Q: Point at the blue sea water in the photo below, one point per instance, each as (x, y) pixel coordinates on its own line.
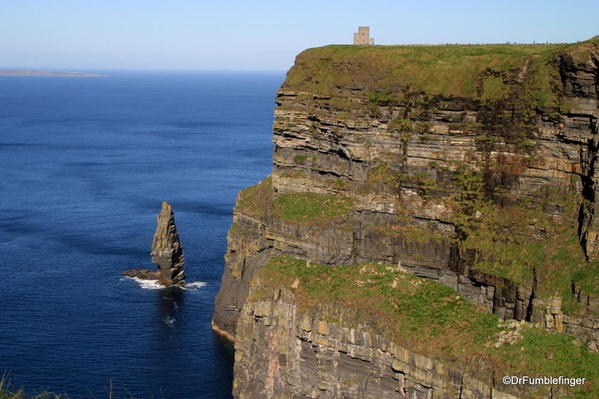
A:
(85, 164)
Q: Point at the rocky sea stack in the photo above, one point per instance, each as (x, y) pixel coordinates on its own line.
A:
(167, 252)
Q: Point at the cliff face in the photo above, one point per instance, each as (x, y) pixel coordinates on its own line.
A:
(368, 331)
(473, 166)
(282, 351)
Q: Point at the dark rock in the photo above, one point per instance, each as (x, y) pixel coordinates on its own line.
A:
(143, 274)
(167, 252)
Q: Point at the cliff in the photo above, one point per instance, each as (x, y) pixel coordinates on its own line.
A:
(471, 166)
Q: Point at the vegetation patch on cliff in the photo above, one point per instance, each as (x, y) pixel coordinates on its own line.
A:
(403, 304)
(256, 200)
(526, 242)
(427, 317)
(311, 207)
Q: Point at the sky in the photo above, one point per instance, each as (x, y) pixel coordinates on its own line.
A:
(261, 35)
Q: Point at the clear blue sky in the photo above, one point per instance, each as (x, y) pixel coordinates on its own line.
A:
(261, 35)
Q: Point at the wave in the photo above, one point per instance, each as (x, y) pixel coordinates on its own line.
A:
(147, 284)
(155, 285)
(195, 285)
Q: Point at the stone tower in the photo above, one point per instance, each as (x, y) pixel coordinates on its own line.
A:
(362, 37)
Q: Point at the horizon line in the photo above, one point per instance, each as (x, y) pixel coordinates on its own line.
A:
(94, 69)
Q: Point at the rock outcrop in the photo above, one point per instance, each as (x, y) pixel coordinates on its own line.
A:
(469, 165)
(167, 252)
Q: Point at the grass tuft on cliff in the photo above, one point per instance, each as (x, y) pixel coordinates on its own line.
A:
(5, 394)
(8, 392)
(256, 200)
(427, 317)
(311, 207)
(303, 208)
(19, 394)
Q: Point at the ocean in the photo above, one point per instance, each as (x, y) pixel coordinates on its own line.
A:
(85, 166)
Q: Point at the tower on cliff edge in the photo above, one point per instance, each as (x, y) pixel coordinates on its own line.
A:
(362, 37)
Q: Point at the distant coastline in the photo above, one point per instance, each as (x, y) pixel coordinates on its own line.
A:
(28, 72)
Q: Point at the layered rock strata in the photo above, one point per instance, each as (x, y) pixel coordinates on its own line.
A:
(167, 252)
(284, 353)
(279, 350)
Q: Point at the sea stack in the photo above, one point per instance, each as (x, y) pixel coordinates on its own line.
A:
(167, 252)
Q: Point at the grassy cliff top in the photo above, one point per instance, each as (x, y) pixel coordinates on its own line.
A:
(446, 70)
(427, 317)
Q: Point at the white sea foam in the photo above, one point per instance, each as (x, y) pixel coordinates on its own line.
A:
(155, 285)
(147, 284)
(169, 321)
(195, 285)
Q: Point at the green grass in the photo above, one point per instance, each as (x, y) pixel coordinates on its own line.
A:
(21, 395)
(293, 174)
(427, 318)
(402, 125)
(412, 310)
(300, 159)
(256, 200)
(305, 208)
(339, 183)
(436, 70)
(7, 391)
(494, 88)
(382, 173)
(391, 73)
